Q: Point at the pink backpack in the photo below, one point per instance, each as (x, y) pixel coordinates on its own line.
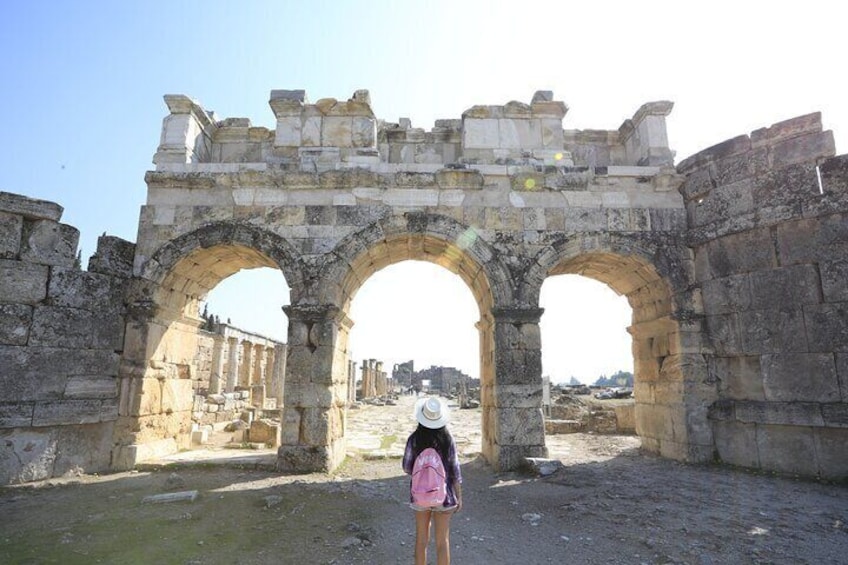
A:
(429, 483)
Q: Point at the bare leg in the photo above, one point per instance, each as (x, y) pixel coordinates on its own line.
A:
(422, 536)
(441, 520)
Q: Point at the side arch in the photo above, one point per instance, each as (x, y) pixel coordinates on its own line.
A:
(162, 329)
(673, 389)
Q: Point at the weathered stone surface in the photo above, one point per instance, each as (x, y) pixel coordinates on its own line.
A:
(22, 283)
(30, 208)
(15, 320)
(827, 326)
(91, 387)
(70, 412)
(79, 289)
(772, 330)
(49, 243)
(60, 326)
(787, 449)
(114, 256)
(800, 376)
(16, 415)
(11, 226)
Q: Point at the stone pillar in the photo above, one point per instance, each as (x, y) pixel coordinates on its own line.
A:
(314, 402)
(379, 380)
(278, 381)
(232, 363)
(246, 364)
(258, 373)
(351, 381)
(216, 375)
(365, 379)
(512, 408)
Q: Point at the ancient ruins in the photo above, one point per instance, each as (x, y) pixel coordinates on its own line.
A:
(734, 261)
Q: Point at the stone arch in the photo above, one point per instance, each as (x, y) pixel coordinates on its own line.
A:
(672, 387)
(163, 324)
(410, 236)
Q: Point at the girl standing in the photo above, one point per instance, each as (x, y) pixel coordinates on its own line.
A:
(432, 416)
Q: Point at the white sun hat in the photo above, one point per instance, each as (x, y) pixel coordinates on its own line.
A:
(432, 413)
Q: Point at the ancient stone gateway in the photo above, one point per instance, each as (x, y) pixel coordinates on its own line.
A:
(735, 265)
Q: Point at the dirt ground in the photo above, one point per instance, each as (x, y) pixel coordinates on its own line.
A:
(609, 504)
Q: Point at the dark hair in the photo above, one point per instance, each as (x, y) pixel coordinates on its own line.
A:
(439, 438)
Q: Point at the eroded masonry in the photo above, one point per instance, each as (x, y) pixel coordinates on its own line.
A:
(734, 261)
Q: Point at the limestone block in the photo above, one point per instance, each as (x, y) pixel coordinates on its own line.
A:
(724, 334)
(15, 320)
(772, 331)
(520, 426)
(177, 395)
(787, 449)
(738, 377)
(315, 426)
(787, 286)
(66, 412)
(288, 132)
(304, 458)
(363, 132)
(16, 415)
(807, 240)
(114, 256)
(513, 457)
(40, 373)
(736, 443)
(800, 377)
(827, 326)
(264, 431)
(337, 131)
(586, 219)
(834, 279)
(518, 396)
(519, 134)
(459, 178)
(11, 228)
(728, 294)
(831, 454)
(310, 133)
(49, 243)
(28, 455)
(141, 397)
(91, 387)
(75, 328)
(86, 290)
(480, 133)
(22, 283)
(724, 202)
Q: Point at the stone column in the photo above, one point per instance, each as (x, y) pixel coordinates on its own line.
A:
(351, 382)
(314, 402)
(258, 373)
(232, 364)
(379, 380)
(365, 379)
(278, 381)
(246, 363)
(216, 375)
(512, 409)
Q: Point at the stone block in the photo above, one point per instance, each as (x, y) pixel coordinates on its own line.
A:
(29, 208)
(723, 203)
(785, 287)
(724, 334)
(739, 378)
(22, 283)
(307, 458)
(741, 253)
(727, 294)
(11, 227)
(84, 290)
(15, 320)
(85, 448)
(827, 326)
(520, 426)
(49, 243)
(28, 455)
(66, 412)
(831, 454)
(177, 395)
(787, 449)
(809, 377)
(783, 413)
(91, 387)
(58, 326)
(264, 431)
(16, 415)
(40, 373)
(772, 331)
(736, 443)
(513, 457)
(518, 396)
(803, 149)
(835, 415)
(834, 279)
(288, 132)
(337, 131)
(114, 256)
(809, 240)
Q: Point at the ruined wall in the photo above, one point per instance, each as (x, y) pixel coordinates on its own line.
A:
(771, 250)
(61, 336)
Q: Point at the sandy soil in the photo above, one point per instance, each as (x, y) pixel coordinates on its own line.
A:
(609, 504)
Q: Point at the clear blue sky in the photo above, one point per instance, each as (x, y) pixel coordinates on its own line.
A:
(83, 81)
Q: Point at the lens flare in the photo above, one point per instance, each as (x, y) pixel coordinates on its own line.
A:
(558, 156)
(530, 184)
(467, 238)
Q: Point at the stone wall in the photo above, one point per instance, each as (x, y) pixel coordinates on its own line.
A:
(61, 336)
(768, 217)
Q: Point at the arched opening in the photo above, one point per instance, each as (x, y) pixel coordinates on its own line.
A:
(163, 391)
(671, 390)
(415, 333)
